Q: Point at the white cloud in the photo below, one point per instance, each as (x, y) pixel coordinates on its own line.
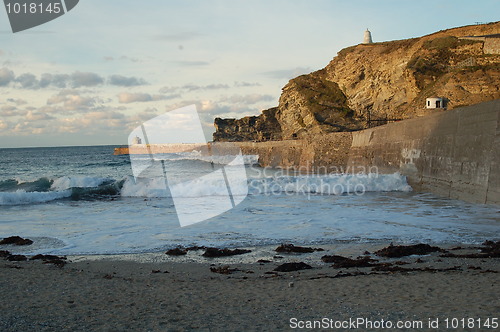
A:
(71, 100)
(143, 116)
(38, 116)
(10, 111)
(127, 97)
(3, 125)
(17, 101)
(93, 123)
(245, 84)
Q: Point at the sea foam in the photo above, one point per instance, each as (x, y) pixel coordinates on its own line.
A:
(67, 182)
(21, 197)
(305, 184)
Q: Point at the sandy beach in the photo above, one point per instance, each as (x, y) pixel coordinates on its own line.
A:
(123, 293)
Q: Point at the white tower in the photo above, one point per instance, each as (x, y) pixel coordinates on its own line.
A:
(368, 37)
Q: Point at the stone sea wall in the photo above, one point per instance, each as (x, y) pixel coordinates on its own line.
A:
(450, 153)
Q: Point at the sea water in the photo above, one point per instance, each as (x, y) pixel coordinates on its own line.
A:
(84, 200)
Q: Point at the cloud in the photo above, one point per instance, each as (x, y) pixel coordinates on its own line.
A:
(247, 99)
(27, 81)
(3, 125)
(71, 100)
(17, 101)
(75, 80)
(32, 127)
(120, 80)
(10, 110)
(143, 116)
(109, 120)
(211, 108)
(123, 57)
(2, 53)
(80, 79)
(6, 76)
(287, 73)
(94, 122)
(127, 97)
(32, 116)
(56, 80)
(193, 87)
(30, 81)
(245, 84)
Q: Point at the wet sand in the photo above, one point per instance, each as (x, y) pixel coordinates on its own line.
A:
(114, 294)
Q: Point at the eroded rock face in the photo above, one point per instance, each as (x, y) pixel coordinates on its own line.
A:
(311, 105)
(380, 81)
(260, 128)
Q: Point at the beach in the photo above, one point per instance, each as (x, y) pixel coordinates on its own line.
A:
(131, 293)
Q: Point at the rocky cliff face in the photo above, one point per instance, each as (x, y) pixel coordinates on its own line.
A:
(311, 105)
(260, 128)
(381, 81)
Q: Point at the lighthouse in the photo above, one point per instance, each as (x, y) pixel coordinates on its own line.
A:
(368, 37)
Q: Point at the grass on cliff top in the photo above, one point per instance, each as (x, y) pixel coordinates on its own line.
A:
(315, 88)
(448, 42)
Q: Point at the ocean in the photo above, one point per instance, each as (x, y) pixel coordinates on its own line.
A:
(85, 200)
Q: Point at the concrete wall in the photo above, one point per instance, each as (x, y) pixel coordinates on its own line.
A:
(452, 153)
(492, 46)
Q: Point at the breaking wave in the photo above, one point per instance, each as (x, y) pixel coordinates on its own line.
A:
(14, 192)
(18, 192)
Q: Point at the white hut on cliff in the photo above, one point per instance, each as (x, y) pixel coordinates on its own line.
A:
(435, 102)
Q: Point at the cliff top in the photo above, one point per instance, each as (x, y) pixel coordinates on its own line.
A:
(370, 84)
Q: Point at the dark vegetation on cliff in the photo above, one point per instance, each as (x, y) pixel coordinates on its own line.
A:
(367, 85)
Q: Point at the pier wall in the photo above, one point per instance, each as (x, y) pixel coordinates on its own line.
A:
(450, 153)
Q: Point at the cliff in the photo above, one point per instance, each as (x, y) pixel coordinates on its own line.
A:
(371, 84)
(264, 127)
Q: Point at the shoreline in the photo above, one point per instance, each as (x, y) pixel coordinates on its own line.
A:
(111, 294)
(267, 251)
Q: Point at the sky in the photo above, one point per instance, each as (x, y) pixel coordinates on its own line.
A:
(93, 75)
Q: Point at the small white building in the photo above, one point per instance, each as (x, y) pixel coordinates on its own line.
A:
(435, 102)
(367, 37)
(136, 140)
